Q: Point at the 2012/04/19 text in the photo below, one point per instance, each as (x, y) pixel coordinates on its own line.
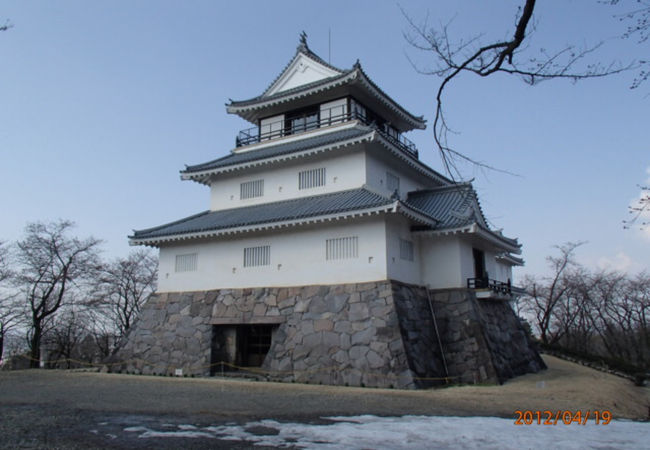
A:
(562, 417)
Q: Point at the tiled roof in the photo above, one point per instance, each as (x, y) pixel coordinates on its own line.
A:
(307, 86)
(304, 49)
(452, 206)
(280, 149)
(267, 213)
(355, 75)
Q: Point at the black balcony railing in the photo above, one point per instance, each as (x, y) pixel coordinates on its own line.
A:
(496, 286)
(326, 118)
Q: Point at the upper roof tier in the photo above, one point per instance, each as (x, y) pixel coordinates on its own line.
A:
(308, 80)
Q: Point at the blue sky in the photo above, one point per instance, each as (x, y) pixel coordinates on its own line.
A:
(102, 103)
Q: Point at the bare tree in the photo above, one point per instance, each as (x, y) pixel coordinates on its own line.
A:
(68, 331)
(52, 263)
(547, 295)
(600, 314)
(639, 211)
(126, 283)
(638, 26)
(513, 56)
(10, 312)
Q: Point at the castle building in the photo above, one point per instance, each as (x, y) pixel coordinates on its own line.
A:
(330, 253)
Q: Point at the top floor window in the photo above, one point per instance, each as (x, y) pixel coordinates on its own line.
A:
(301, 120)
(316, 116)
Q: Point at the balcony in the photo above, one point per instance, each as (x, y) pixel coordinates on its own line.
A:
(327, 117)
(487, 288)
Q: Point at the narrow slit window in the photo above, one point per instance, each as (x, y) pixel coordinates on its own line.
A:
(251, 189)
(342, 248)
(308, 179)
(257, 256)
(186, 263)
(406, 250)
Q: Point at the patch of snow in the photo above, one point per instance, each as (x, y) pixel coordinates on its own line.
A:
(358, 432)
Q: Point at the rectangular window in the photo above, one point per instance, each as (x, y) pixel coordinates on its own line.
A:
(301, 120)
(186, 263)
(311, 178)
(358, 110)
(406, 250)
(333, 112)
(251, 189)
(257, 256)
(271, 127)
(342, 248)
(392, 182)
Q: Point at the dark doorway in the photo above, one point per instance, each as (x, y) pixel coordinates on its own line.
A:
(253, 343)
(235, 346)
(479, 263)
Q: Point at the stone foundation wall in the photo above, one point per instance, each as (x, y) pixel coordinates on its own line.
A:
(483, 340)
(370, 334)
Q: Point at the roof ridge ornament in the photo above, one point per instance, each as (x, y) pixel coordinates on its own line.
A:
(302, 46)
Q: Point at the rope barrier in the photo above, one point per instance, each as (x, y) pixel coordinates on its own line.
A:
(254, 370)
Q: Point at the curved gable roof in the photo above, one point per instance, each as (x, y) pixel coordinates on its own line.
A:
(325, 78)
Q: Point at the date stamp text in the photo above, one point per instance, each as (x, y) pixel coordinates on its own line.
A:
(562, 417)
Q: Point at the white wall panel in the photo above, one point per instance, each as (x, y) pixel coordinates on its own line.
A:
(345, 170)
(297, 257)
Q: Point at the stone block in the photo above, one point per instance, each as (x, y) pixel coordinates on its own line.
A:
(312, 340)
(358, 311)
(379, 347)
(374, 360)
(358, 352)
(323, 325)
(345, 341)
(259, 310)
(330, 339)
(355, 297)
(342, 326)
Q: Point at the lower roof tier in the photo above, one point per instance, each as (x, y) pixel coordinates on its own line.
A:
(442, 210)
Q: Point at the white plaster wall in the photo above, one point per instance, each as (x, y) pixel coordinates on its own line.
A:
(398, 227)
(467, 261)
(297, 258)
(302, 71)
(440, 258)
(499, 271)
(344, 170)
(376, 175)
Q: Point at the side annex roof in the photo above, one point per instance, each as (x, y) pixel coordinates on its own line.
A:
(457, 209)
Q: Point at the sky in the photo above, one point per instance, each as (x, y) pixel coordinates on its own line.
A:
(102, 103)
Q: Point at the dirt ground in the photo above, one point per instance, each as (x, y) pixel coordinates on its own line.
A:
(64, 409)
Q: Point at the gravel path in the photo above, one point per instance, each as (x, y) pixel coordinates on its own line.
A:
(64, 409)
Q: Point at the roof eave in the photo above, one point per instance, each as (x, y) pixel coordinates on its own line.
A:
(246, 108)
(509, 245)
(157, 240)
(203, 176)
